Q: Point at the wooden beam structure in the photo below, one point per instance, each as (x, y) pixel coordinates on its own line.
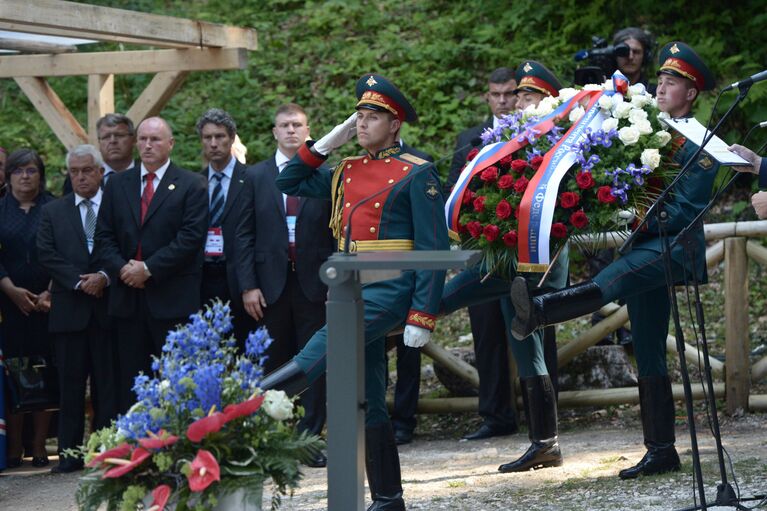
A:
(71, 19)
(156, 95)
(54, 111)
(738, 374)
(35, 46)
(101, 101)
(123, 62)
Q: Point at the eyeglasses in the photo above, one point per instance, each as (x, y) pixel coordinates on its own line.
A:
(28, 171)
(114, 136)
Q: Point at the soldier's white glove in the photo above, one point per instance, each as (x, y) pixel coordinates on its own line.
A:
(338, 136)
(415, 336)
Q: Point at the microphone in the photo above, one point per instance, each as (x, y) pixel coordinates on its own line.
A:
(762, 124)
(748, 82)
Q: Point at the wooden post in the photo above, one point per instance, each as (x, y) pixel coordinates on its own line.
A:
(454, 364)
(737, 345)
(759, 369)
(101, 101)
(52, 109)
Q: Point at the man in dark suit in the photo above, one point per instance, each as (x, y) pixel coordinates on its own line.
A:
(281, 243)
(487, 326)
(226, 178)
(151, 229)
(78, 315)
(117, 140)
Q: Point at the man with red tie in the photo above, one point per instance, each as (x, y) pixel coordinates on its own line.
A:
(151, 232)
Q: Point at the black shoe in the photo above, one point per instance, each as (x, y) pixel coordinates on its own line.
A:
(655, 461)
(489, 431)
(66, 466)
(319, 460)
(40, 461)
(538, 455)
(403, 436)
(13, 462)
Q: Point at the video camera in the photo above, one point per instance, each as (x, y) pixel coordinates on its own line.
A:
(601, 61)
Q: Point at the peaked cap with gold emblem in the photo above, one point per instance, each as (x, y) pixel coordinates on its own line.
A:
(375, 92)
(679, 59)
(533, 76)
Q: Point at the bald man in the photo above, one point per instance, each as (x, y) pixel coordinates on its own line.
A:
(151, 233)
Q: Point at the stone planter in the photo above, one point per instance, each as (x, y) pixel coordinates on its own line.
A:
(237, 500)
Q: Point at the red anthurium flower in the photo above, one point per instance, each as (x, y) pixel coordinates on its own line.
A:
(158, 441)
(120, 451)
(472, 154)
(160, 496)
(510, 238)
(536, 161)
(489, 174)
(579, 220)
(605, 195)
(521, 185)
(506, 181)
(584, 180)
(503, 210)
(248, 407)
(519, 166)
(474, 228)
(558, 230)
(479, 204)
(124, 466)
(568, 199)
(200, 428)
(204, 470)
(491, 232)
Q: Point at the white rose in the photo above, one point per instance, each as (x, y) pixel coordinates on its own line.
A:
(640, 100)
(636, 90)
(567, 93)
(636, 115)
(610, 123)
(662, 117)
(663, 137)
(576, 114)
(644, 127)
(606, 102)
(622, 110)
(628, 135)
(592, 86)
(278, 405)
(546, 106)
(651, 158)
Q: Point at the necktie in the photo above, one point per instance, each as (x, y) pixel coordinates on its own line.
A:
(217, 201)
(90, 223)
(148, 193)
(291, 209)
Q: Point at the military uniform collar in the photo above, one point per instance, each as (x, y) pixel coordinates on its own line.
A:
(388, 152)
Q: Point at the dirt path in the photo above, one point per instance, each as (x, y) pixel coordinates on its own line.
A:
(453, 475)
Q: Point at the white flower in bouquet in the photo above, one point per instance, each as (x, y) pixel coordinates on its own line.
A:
(576, 114)
(607, 85)
(636, 115)
(641, 100)
(611, 123)
(546, 106)
(662, 138)
(644, 127)
(628, 135)
(651, 158)
(662, 117)
(637, 89)
(592, 86)
(567, 93)
(606, 102)
(622, 110)
(278, 405)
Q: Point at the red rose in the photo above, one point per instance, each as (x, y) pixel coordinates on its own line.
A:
(605, 195)
(203, 471)
(569, 199)
(584, 180)
(479, 204)
(558, 230)
(519, 166)
(536, 161)
(516, 213)
(503, 210)
(468, 197)
(506, 182)
(510, 238)
(474, 228)
(491, 232)
(521, 185)
(472, 154)
(506, 160)
(579, 220)
(489, 174)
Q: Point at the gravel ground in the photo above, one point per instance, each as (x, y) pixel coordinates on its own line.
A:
(453, 475)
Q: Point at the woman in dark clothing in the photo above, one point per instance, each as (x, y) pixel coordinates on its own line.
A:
(25, 299)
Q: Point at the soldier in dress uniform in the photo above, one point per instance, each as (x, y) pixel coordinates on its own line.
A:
(638, 277)
(407, 216)
(470, 287)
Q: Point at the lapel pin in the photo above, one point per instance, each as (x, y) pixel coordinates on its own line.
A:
(171, 187)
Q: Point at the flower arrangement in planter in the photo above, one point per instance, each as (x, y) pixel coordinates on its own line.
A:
(201, 429)
(606, 153)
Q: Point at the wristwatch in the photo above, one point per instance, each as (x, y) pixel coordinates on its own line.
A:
(146, 270)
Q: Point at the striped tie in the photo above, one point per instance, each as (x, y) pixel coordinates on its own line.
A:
(90, 223)
(217, 201)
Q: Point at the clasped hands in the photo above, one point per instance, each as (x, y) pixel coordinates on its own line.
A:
(92, 284)
(133, 274)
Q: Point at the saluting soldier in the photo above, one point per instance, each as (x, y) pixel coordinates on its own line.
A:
(638, 277)
(470, 287)
(401, 208)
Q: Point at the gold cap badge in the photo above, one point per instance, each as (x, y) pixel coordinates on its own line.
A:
(674, 49)
(527, 67)
(371, 81)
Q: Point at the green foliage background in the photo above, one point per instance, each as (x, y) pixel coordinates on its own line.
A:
(438, 51)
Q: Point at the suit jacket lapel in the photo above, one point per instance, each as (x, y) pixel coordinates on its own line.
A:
(235, 186)
(276, 193)
(164, 188)
(132, 191)
(77, 221)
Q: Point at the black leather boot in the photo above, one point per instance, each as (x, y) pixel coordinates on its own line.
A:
(289, 377)
(382, 467)
(534, 312)
(544, 451)
(657, 408)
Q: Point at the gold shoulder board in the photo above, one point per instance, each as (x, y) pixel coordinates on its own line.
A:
(415, 160)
